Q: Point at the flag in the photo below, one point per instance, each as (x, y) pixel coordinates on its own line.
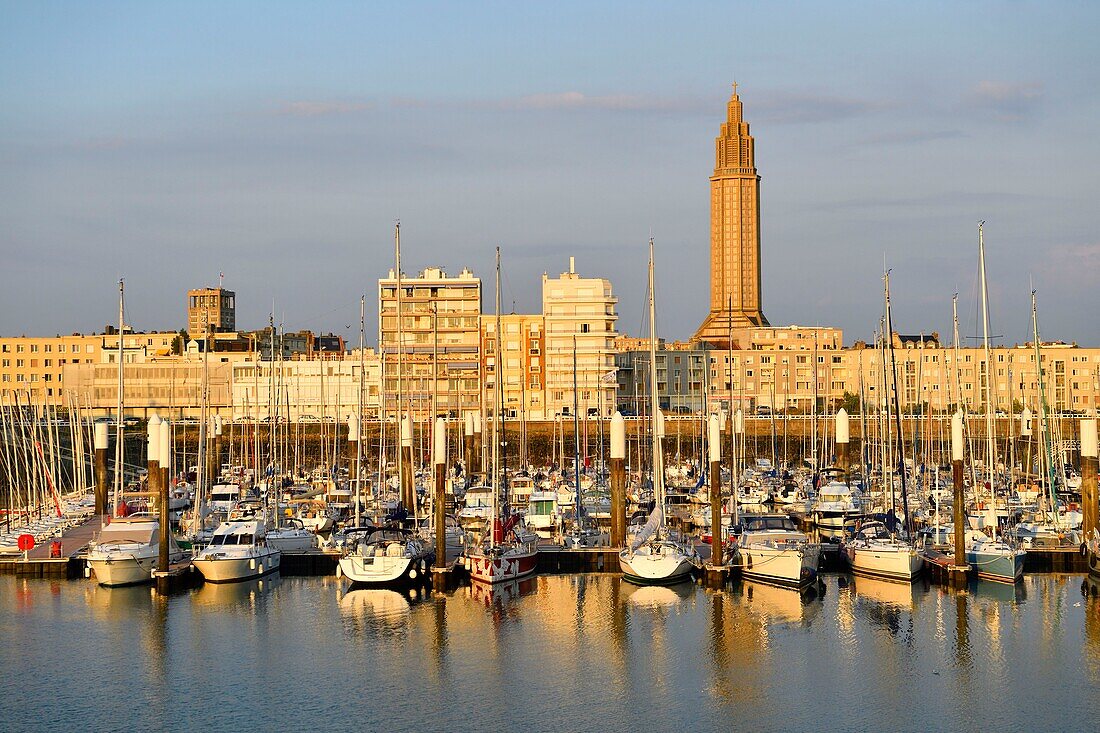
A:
(609, 378)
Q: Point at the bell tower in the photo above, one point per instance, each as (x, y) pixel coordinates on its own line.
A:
(735, 298)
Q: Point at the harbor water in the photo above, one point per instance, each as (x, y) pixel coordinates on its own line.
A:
(554, 653)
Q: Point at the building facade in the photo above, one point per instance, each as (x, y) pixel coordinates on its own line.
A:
(214, 306)
(36, 365)
(437, 347)
(519, 365)
(580, 320)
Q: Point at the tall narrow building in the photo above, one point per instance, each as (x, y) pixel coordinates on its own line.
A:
(735, 300)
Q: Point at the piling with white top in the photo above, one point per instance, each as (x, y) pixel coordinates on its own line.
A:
(957, 572)
(468, 446)
(714, 449)
(618, 480)
(152, 434)
(101, 441)
(162, 434)
(407, 462)
(842, 437)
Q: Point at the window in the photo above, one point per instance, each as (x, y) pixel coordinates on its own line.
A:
(584, 328)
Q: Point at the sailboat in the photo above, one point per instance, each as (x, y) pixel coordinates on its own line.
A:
(655, 555)
(877, 550)
(509, 550)
(992, 557)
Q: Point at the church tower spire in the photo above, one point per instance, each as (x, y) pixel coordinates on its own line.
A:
(735, 298)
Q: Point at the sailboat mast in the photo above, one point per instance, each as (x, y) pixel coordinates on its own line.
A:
(990, 448)
(897, 414)
(400, 348)
(119, 429)
(576, 440)
(495, 482)
(358, 482)
(1044, 429)
(654, 401)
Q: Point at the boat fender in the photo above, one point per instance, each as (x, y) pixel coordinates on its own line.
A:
(412, 574)
(1084, 549)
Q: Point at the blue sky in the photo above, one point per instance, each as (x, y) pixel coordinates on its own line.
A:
(278, 142)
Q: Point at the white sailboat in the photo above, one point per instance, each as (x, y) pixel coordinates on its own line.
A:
(656, 555)
(509, 550)
(876, 550)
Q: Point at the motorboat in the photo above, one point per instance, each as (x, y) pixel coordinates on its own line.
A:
(836, 505)
(542, 513)
(385, 557)
(291, 536)
(126, 551)
(770, 549)
(238, 550)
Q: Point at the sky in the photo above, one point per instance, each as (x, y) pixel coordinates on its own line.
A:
(278, 143)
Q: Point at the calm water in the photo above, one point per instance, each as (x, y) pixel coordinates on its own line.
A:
(560, 653)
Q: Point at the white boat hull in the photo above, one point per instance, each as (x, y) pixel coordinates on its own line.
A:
(123, 570)
(219, 567)
(904, 564)
(384, 571)
(662, 567)
(789, 567)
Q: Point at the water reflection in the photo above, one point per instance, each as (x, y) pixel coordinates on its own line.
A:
(375, 612)
(777, 605)
(243, 596)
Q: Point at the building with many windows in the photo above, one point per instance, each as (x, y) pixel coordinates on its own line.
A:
(437, 346)
(214, 306)
(580, 320)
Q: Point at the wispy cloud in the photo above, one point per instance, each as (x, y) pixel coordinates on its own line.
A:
(569, 100)
(792, 107)
(321, 108)
(1072, 264)
(1005, 100)
(914, 137)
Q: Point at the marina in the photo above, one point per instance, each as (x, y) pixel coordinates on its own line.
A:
(409, 368)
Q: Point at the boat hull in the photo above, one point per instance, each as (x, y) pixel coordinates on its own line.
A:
(502, 568)
(386, 572)
(221, 568)
(642, 568)
(998, 567)
(121, 571)
(903, 565)
(789, 568)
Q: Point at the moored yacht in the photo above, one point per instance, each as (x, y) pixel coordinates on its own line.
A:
(836, 504)
(237, 551)
(510, 555)
(877, 553)
(772, 550)
(386, 557)
(126, 551)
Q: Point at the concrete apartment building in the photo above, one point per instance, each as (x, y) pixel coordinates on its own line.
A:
(520, 365)
(574, 307)
(440, 342)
